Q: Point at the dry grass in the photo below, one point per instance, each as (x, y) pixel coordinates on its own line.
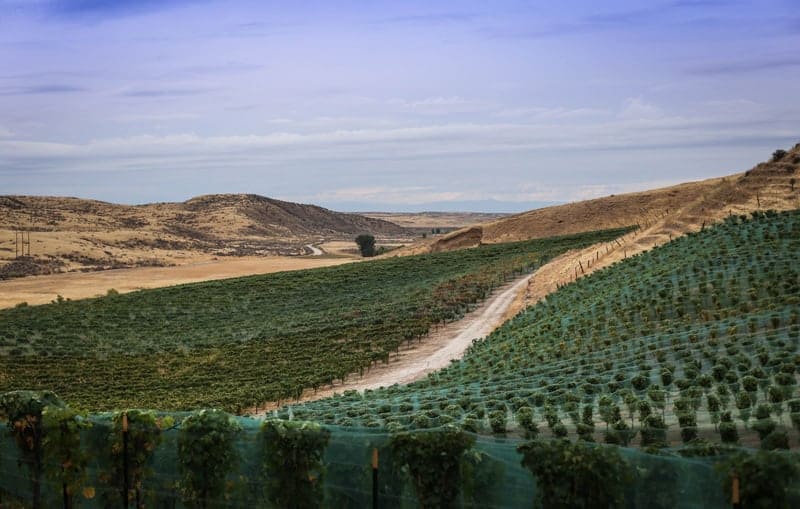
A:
(435, 219)
(69, 234)
(662, 213)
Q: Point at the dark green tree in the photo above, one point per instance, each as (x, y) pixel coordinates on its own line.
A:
(293, 462)
(23, 412)
(206, 455)
(366, 244)
(576, 475)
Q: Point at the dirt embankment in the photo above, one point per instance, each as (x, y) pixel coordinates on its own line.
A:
(461, 239)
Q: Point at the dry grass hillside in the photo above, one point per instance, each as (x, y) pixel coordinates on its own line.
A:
(427, 220)
(69, 234)
(662, 213)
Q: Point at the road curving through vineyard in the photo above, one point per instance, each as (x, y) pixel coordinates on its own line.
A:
(435, 351)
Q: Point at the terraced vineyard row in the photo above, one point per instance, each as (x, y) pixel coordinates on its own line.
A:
(232, 344)
(696, 338)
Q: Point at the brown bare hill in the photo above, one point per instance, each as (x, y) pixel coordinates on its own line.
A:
(283, 219)
(664, 213)
(76, 234)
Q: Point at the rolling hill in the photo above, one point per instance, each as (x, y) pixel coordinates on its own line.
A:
(74, 234)
(665, 212)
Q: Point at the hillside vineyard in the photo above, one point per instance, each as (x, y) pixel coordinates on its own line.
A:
(235, 343)
(699, 336)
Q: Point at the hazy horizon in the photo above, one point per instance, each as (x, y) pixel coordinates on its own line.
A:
(390, 106)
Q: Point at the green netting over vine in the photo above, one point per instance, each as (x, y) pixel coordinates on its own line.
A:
(698, 338)
(212, 459)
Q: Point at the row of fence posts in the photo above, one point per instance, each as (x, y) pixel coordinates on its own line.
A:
(609, 247)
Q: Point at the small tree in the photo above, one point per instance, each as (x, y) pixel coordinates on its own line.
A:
(766, 478)
(366, 244)
(576, 475)
(778, 155)
(206, 454)
(433, 461)
(23, 411)
(293, 462)
(65, 460)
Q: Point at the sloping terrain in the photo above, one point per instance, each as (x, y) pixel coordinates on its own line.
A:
(69, 234)
(672, 210)
(697, 337)
(235, 343)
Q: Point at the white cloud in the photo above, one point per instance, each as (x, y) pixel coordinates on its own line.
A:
(550, 113)
(439, 105)
(635, 108)
(156, 117)
(397, 143)
(388, 195)
(588, 192)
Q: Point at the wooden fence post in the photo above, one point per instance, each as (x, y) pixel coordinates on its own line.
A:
(374, 478)
(125, 458)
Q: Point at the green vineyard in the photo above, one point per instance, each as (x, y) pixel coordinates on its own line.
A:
(236, 343)
(698, 338)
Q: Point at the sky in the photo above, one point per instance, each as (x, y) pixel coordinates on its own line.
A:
(395, 106)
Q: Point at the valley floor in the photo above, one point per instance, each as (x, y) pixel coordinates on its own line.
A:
(78, 285)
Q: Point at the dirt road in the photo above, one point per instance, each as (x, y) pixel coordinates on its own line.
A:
(451, 341)
(315, 251)
(434, 352)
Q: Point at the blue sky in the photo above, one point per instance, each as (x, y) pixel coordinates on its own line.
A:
(365, 105)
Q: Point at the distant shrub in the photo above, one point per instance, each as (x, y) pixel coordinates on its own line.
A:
(778, 155)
